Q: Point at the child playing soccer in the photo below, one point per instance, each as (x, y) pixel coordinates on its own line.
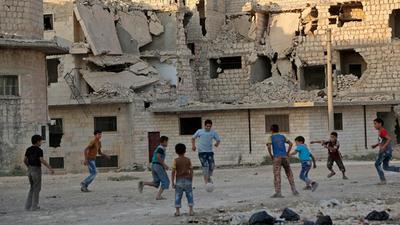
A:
(276, 143)
(34, 160)
(182, 173)
(333, 154)
(158, 170)
(305, 157)
(205, 149)
(385, 151)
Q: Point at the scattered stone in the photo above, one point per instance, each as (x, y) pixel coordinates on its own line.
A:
(261, 218)
(377, 216)
(345, 82)
(332, 203)
(290, 215)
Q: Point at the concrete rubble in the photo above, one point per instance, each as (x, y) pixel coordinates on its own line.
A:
(124, 79)
(91, 16)
(345, 82)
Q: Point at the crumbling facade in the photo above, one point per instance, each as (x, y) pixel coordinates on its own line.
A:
(163, 67)
(23, 89)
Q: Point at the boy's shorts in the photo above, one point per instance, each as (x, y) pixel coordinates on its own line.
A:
(160, 176)
(207, 163)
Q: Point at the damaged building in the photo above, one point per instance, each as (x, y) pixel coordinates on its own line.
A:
(23, 89)
(139, 70)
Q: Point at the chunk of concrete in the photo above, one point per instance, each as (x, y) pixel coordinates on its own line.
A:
(155, 26)
(167, 40)
(142, 68)
(99, 29)
(79, 48)
(125, 79)
(282, 32)
(106, 60)
(135, 24)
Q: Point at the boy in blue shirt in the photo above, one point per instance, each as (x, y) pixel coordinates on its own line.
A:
(276, 142)
(305, 158)
(158, 170)
(206, 154)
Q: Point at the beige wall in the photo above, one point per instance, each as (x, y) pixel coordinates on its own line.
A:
(22, 116)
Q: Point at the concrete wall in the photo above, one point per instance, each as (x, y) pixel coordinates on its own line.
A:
(63, 21)
(21, 18)
(78, 131)
(22, 116)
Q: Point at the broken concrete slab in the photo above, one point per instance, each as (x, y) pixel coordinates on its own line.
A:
(135, 24)
(99, 29)
(167, 40)
(282, 32)
(79, 48)
(155, 26)
(142, 68)
(105, 60)
(124, 79)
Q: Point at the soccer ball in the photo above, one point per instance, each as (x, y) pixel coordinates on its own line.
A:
(209, 187)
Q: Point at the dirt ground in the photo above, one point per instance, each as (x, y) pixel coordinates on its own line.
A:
(238, 193)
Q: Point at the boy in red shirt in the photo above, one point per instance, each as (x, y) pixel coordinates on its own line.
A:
(385, 151)
(333, 154)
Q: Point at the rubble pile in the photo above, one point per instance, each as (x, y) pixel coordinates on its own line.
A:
(109, 90)
(278, 90)
(345, 82)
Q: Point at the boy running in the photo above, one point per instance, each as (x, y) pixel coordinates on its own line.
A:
(158, 170)
(305, 158)
(34, 160)
(276, 143)
(91, 152)
(206, 154)
(385, 151)
(182, 172)
(334, 155)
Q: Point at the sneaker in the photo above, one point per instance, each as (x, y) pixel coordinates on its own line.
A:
(331, 174)
(383, 182)
(35, 208)
(295, 193)
(140, 186)
(314, 186)
(277, 195)
(345, 178)
(306, 188)
(84, 189)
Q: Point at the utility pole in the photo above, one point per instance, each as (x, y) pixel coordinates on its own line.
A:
(329, 77)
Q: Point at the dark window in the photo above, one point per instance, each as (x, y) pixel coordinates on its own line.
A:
(189, 126)
(9, 85)
(338, 121)
(52, 70)
(56, 162)
(355, 69)
(314, 77)
(218, 66)
(105, 123)
(346, 12)
(395, 23)
(103, 162)
(48, 21)
(281, 120)
(261, 69)
(43, 132)
(56, 133)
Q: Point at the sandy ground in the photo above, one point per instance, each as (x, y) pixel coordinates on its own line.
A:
(237, 192)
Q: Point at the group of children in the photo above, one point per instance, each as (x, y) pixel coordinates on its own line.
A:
(182, 170)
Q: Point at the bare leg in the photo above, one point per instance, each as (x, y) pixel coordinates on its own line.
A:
(159, 197)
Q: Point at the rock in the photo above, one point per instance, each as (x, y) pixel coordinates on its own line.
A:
(261, 218)
(332, 203)
(290, 215)
(378, 216)
(324, 220)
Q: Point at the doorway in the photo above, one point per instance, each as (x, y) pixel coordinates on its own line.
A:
(154, 141)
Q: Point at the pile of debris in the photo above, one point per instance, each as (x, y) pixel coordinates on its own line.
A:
(110, 90)
(345, 82)
(277, 90)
